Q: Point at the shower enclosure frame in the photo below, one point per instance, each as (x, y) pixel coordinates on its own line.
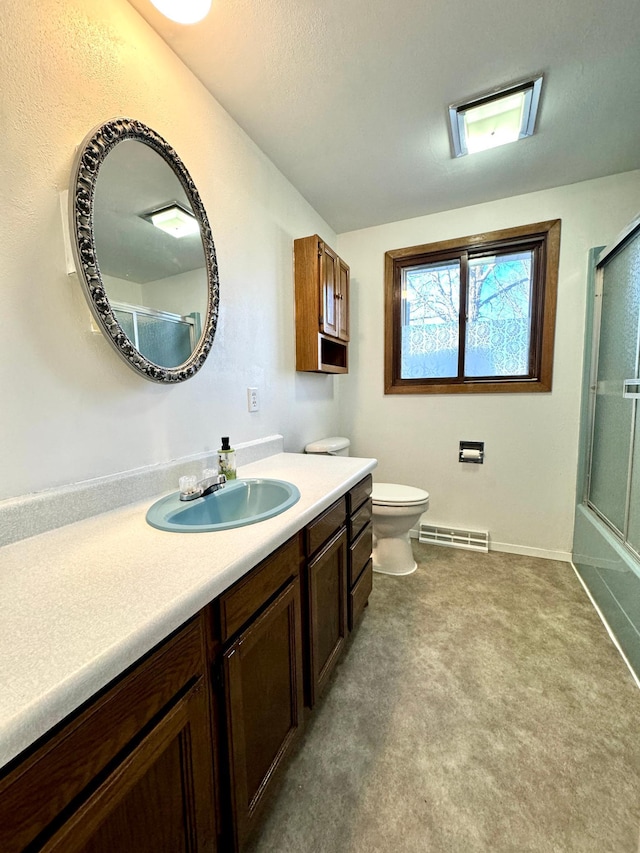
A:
(598, 260)
(606, 562)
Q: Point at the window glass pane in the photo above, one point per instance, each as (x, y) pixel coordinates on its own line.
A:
(429, 320)
(499, 298)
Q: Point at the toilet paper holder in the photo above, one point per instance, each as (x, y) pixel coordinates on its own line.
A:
(471, 451)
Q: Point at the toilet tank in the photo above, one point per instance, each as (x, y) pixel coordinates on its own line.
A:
(336, 445)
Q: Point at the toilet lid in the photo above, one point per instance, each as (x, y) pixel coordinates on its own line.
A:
(391, 494)
(328, 445)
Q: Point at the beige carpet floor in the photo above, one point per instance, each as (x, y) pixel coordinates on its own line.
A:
(481, 706)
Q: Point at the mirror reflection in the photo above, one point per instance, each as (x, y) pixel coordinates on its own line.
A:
(144, 251)
(150, 253)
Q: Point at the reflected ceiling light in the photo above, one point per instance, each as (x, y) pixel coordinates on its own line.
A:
(173, 219)
(183, 11)
(495, 118)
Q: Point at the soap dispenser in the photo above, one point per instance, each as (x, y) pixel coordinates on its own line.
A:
(227, 459)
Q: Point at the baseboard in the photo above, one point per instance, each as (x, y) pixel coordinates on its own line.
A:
(524, 550)
(607, 627)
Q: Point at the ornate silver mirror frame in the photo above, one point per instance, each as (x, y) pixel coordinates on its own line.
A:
(90, 157)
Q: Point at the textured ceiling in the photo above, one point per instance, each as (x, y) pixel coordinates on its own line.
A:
(349, 98)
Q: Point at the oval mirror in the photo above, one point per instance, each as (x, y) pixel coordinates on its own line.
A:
(144, 250)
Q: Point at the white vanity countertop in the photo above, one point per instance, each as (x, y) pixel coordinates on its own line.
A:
(80, 604)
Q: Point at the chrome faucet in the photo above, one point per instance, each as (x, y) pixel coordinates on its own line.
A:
(192, 488)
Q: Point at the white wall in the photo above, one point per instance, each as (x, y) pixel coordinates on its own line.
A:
(184, 293)
(524, 493)
(71, 409)
(123, 290)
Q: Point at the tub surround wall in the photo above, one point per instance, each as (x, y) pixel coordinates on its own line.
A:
(72, 411)
(612, 579)
(524, 493)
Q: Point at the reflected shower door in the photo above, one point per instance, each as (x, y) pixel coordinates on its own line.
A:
(612, 479)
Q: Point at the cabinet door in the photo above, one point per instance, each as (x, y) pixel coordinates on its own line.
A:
(158, 799)
(329, 284)
(343, 300)
(327, 612)
(263, 696)
(132, 770)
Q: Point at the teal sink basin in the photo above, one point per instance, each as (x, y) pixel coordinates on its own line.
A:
(239, 503)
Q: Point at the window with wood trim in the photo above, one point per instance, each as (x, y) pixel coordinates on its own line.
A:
(473, 315)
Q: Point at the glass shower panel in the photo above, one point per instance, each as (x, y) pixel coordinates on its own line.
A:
(617, 361)
(127, 322)
(631, 260)
(165, 342)
(633, 530)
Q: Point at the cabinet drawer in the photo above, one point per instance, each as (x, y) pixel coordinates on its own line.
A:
(359, 595)
(252, 592)
(359, 493)
(58, 773)
(361, 518)
(360, 553)
(325, 526)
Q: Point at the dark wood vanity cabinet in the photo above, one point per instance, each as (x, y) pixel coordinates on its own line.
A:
(360, 527)
(134, 771)
(178, 754)
(322, 307)
(262, 680)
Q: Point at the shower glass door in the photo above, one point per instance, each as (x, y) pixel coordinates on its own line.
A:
(613, 485)
(633, 525)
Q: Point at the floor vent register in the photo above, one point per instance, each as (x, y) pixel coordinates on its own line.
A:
(455, 537)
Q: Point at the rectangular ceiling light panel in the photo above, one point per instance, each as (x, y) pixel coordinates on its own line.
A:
(495, 118)
(174, 220)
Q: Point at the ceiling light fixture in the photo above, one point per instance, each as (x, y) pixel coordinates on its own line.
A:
(173, 219)
(183, 11)
(495, 118)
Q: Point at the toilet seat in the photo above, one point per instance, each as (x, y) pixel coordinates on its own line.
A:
(392, 494)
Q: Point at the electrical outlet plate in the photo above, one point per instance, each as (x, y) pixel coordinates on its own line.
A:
(252, 399)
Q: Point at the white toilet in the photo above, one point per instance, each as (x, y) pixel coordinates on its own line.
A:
(396, 509)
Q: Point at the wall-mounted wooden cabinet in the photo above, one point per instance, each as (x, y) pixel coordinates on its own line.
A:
(322, 307)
